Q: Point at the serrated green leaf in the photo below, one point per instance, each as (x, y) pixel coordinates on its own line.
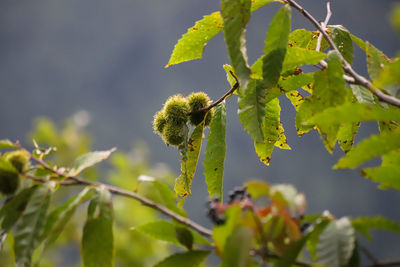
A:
(58, 218)
(7, 144)
(365, 224)
(257, 189)
(97, 238)
(252, 109)
(271, 131)
(336, 243)
(215, 152)
(30, 226)
(359, 112)
(166, 231)
(188, 166)
(237, 247)
(192, 43)
(388, 176)
(362, 94)
(342, 39)
(12, 210)
(329, 90)
(296, 56)
(192, 258)
(89, 159)
(235, 16)
(370, 148)
(275, 46)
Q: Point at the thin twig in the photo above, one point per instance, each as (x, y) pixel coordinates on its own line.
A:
(222, 98)
(346, 66)
(323, 25)
(117, 191)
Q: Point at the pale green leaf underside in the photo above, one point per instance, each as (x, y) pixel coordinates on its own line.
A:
(336, 243)
(362, 94)
(89, 159)
(215, 152)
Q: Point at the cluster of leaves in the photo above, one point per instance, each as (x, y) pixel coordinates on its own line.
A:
(262, 223)
(50, 217)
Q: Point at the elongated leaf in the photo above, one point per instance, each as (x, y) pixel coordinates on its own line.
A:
(359, 112)
(5, 143)
(29, 228)
(342, 39)
(237, 247)
(314, 232)
(362, 94)
(292, 252)
(252, 109)
(222, 232)
(336, 243)
(271, 131)
(296, 98)
(275, 46)
(188, 166)
(365, 224)
(166, 231)
(215, 152)
(281, 142)
(59, 217)
(369, 148)
(90, 159)
(97, 239)
(329, 90)
(388, 176)
(192, 258)
(235, 16)
(192, 43)
(12, 210)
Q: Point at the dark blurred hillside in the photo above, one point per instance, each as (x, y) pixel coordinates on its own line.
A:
(108, 57)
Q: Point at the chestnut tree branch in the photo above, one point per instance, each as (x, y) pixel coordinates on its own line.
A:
(358, 79)
(75, 180)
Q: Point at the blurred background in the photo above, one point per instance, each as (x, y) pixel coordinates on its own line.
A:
(105, 60)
